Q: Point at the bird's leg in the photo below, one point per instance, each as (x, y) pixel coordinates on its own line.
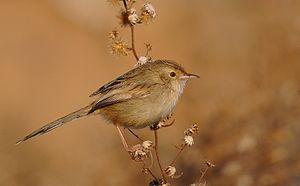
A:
(137, 152)
(127, 148)
(123, 140)
(135, 134)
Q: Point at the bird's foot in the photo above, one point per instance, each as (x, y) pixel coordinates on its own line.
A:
(166, 122)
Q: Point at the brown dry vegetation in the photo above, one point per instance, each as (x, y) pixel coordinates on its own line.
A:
(53, 54)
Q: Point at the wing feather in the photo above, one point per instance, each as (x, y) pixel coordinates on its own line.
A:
(118, 96)
(117, 83)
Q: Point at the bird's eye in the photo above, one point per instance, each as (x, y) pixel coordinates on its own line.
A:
(172, 74)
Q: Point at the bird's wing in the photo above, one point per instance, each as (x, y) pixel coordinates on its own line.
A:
(115, 84)
(121, 95)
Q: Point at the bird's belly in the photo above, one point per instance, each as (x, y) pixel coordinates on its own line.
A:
(138, 113)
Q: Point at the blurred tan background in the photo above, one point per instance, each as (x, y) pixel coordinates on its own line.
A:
(54, 53)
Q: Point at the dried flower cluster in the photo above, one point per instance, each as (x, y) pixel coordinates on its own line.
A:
(192, 130)
(117, 45)
(170, 171)
(188, 139)
(142, 60)
(130, 16)
(140, 152)
(148, 13)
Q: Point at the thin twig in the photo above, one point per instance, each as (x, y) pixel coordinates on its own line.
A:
(177, 155)
(132, 34)
(208, 165)
(125, 4)
(151, 173)
(202, 174)
(157, 155)
(151, 159)
(149, 170)
(132, 43)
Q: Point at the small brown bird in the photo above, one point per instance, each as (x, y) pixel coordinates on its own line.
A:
(139, 98)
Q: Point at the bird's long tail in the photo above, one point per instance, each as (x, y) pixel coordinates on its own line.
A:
(57, 123)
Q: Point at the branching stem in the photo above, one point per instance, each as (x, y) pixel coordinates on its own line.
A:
(177, 155)
(157, 155)
(132, 34)
(202, 174)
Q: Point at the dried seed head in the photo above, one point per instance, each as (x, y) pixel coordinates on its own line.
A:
(113, 35)
(147, 12)
(166, 184)
(140, 152)
(149, 9)
(170, 171)
(142, 60)
(195, 128)
(138, 155)
(209, 164)
(119, 47)
(133, 17)
(188, 140)
(188, 131)
(191, 130)
(129, 17)
(147, 145)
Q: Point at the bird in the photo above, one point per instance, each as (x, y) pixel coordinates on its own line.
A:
(141, 97)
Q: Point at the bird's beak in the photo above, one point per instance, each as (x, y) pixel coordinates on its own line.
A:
(189, 76)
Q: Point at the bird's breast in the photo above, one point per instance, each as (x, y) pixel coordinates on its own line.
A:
(144, 111)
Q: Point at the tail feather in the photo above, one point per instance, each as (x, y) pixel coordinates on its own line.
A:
(57, 123)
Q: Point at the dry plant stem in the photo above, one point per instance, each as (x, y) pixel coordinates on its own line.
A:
(151, 173)
(132, 43)
(177, 155)
(157, 156)
(202, 174)
(125, 4)
(149, 170)
(132, 35)
(155, 131)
